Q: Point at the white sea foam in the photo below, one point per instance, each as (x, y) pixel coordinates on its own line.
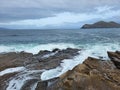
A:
(48, 55)
(11, 70)
(19, 80)
(68, 64)
(95, 50)
(34, 48)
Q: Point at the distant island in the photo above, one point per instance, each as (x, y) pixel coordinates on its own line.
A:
(101, 24)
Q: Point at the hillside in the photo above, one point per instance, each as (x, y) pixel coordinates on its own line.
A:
(101, 24)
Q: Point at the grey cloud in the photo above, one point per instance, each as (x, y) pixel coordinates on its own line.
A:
(56, 3)
(11, 10)
(12, 14)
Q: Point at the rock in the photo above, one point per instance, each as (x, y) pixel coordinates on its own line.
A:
(41, 85)
(43, 52)
(54, 60)
(93, 74)
(13, 59)
(28, 84)
(101, 24)
(4, 79)
(46, 85)
(32, 62)
(55, 50)
(115, 58)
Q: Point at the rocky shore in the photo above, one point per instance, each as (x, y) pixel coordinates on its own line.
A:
(92, 74)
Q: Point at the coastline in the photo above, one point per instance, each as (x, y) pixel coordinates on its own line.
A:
(40, 64)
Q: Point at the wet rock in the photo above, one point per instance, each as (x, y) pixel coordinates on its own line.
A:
(93, 74)
(29, 84)
(55, 50)
(4, 79)
(41, 85)
(115, 58)
(32, 62)
(54, 59)
(46, 85)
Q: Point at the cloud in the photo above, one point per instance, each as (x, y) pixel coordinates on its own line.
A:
(11, 10)
(100, 13)
(41, 13)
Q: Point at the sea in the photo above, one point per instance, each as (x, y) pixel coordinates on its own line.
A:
(91, 42)
(98, 40)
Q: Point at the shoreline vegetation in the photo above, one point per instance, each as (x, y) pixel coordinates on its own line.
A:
(92, 73)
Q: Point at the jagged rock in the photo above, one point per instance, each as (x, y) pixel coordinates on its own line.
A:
(93, 74)
(4, 79)
(41, 85)
(28, 84)
(54, 58)
(115, 58)
(42, 60)
(55, 50)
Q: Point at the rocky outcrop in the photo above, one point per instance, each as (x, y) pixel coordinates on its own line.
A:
(115, 58)
(42, 60)
(14, 59)
(101, 24)
(92, 74)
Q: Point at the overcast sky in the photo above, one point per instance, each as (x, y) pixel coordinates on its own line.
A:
(56, 13)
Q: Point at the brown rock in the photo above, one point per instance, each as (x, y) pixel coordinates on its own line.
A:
(32, 62)
(93, 74)
(115, 58)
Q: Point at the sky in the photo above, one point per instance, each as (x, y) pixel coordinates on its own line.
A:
(47, 14)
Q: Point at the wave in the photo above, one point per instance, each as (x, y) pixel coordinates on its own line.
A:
(92, 50)
(34, 48)
(11, 70)
(97, 51)
(20, 79)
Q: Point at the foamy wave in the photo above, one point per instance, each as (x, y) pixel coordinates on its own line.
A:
(97, 51)
(33, 48)
(11, 70)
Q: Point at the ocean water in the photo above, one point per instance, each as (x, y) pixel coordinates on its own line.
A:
(35, 40)
(92, 42)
